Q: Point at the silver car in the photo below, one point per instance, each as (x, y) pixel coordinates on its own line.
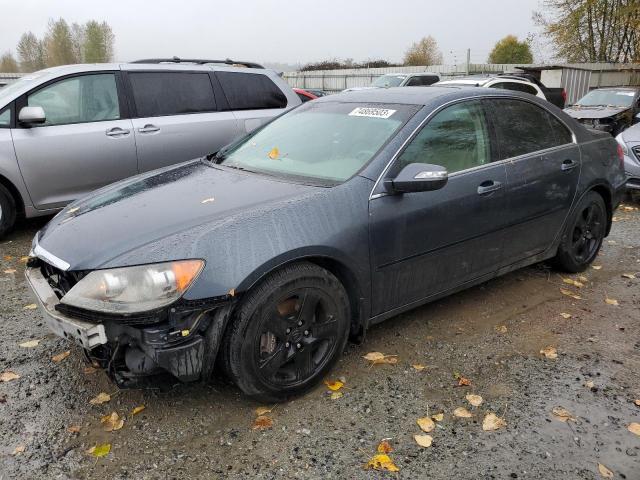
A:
(66, 131)
(629, 141)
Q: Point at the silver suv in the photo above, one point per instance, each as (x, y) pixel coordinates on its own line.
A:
(66, 131)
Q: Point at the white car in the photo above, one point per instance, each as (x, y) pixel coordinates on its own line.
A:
(421, 79)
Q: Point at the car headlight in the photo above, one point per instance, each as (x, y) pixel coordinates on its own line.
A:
(623, 145)
(133, 289)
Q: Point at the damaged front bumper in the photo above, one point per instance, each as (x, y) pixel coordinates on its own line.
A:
(181, 340)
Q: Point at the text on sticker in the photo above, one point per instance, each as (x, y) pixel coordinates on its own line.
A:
(372, 112)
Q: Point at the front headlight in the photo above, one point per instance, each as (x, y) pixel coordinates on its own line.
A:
(134, 289)
(623, 145)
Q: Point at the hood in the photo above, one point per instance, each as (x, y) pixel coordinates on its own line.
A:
(631, 135)
(135, 212)
(594, 112)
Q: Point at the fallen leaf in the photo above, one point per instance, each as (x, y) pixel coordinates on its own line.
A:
(30, 344)
(100, 450)
(18, 450)
(274, 153)
(100, 399)
(382, 461)
(384, 447)
(589, 384)
(611, 301)
(334, 386)
(550, 352)
(90, 370)
(419, 367)
(335, 395)
(61, 356)
(596, 267)
(462, 412)
(424, 441)
(637, 402)
(208, 200)
(628, 275)
(612, 242)
(10, 271)
(562, 414)
(232, 292)
(112, 422)
(263, 410)
(569, 293)
(8, 375)
(604, 471)
(571, 281)
(73, 429)
(492, 422)
(8, 257)
(31, 306)
(462, 381)
(426, 424)
(377, 358)
(137, 409)
(262, 423)
(501, 329)
(634, 428)
(24, 259)
(475, 400)
(582, 278)
(566, 316)
(438, 417)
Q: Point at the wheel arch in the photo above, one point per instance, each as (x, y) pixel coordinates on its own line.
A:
(15, 193)
(605, 192)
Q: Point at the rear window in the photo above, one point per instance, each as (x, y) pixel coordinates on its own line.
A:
(171, 93)
(251, 91)
(516, 87)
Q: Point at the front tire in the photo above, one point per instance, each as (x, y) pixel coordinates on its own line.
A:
(583, 236)
(288, 332)
(7, 211)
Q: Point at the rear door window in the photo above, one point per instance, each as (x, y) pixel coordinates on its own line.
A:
(157, 94)
(516, 87)
(422, 81)
(524, 128)
(251, 91)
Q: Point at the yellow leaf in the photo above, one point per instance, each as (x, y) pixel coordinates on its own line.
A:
(419, 367)
(112, 422)
(475, 400)
(262, 423)
(100, 450)
(137, 409)
(628, 275)
(604, 471)
(438, 417)
(589, 384)
(24, 259)
(274, 153)
(637, 402)
(611, 301)
(61, 356)
(634, 428)
(100, 399)
(501, 328)
(334, 386)
(8, 376)
(335, 395)
(550, 352)
(569, 293)
(377, 358)
(382, 461)
(424, 441)
(562, 414)
(384, 447)
(462, 412)
(18, 450)
(582, 278)
(426, 424)
(208, 200)
(8, 257)
(263, 410)
(30, 344)
(10, 271)
(566, 316)
(596, 267)
(492, 422)
(73, 429)
(571, 281)
(31, 306)
(232, 292)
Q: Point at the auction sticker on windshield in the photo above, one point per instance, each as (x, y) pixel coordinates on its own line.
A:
(372, 112)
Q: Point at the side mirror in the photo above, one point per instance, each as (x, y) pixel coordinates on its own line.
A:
(32, 115)
(418, 177)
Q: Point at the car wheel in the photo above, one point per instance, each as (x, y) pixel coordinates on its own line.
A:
(7, 211)
(287, 333)
(583, 238)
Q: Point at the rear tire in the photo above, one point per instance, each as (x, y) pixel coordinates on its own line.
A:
(7, 211)
(583, 236)
(288, 332)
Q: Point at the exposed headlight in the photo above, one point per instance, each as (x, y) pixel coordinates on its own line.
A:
(623, 145)
(134, 289)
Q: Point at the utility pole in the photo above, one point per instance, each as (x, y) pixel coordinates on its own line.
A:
(468, 60)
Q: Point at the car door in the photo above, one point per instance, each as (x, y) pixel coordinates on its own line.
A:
(543, 169)
(85, 143)
(176, 117)
(425, 243)
(253, 97)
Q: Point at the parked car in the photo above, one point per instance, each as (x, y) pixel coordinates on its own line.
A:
(317, 92)
(629, 141)
(421, 79)
(304, 95)
(66, 131)
(341, 213)
(608, 109)
(517, 82)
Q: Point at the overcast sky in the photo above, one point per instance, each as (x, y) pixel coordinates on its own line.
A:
(280, 31)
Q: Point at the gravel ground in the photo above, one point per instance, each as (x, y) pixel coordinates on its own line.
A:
(491, 335)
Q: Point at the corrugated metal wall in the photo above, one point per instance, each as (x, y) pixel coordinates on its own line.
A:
(576, 83)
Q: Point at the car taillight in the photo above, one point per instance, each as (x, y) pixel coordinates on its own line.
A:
(564, 95)
(621, 156)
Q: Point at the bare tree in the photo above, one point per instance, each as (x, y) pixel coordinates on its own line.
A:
(78, 38)
(593, 30)
(31, 53)
(423, 52)
(8, 63)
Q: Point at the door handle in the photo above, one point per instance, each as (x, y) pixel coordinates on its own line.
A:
(149, 128)
(117, 132)
(568, 164)
(488, 187)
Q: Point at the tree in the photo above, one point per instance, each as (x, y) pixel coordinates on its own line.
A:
(8, 63)
(423, 52)
(59, 44)
(592, 30)
(511, 50)
(30, 53)
(98, 42)
(78, 38)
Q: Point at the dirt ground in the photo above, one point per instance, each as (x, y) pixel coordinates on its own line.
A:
(491, 335)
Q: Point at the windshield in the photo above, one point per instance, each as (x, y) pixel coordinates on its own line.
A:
(616, 98)
(388, 81)
(326, 141)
